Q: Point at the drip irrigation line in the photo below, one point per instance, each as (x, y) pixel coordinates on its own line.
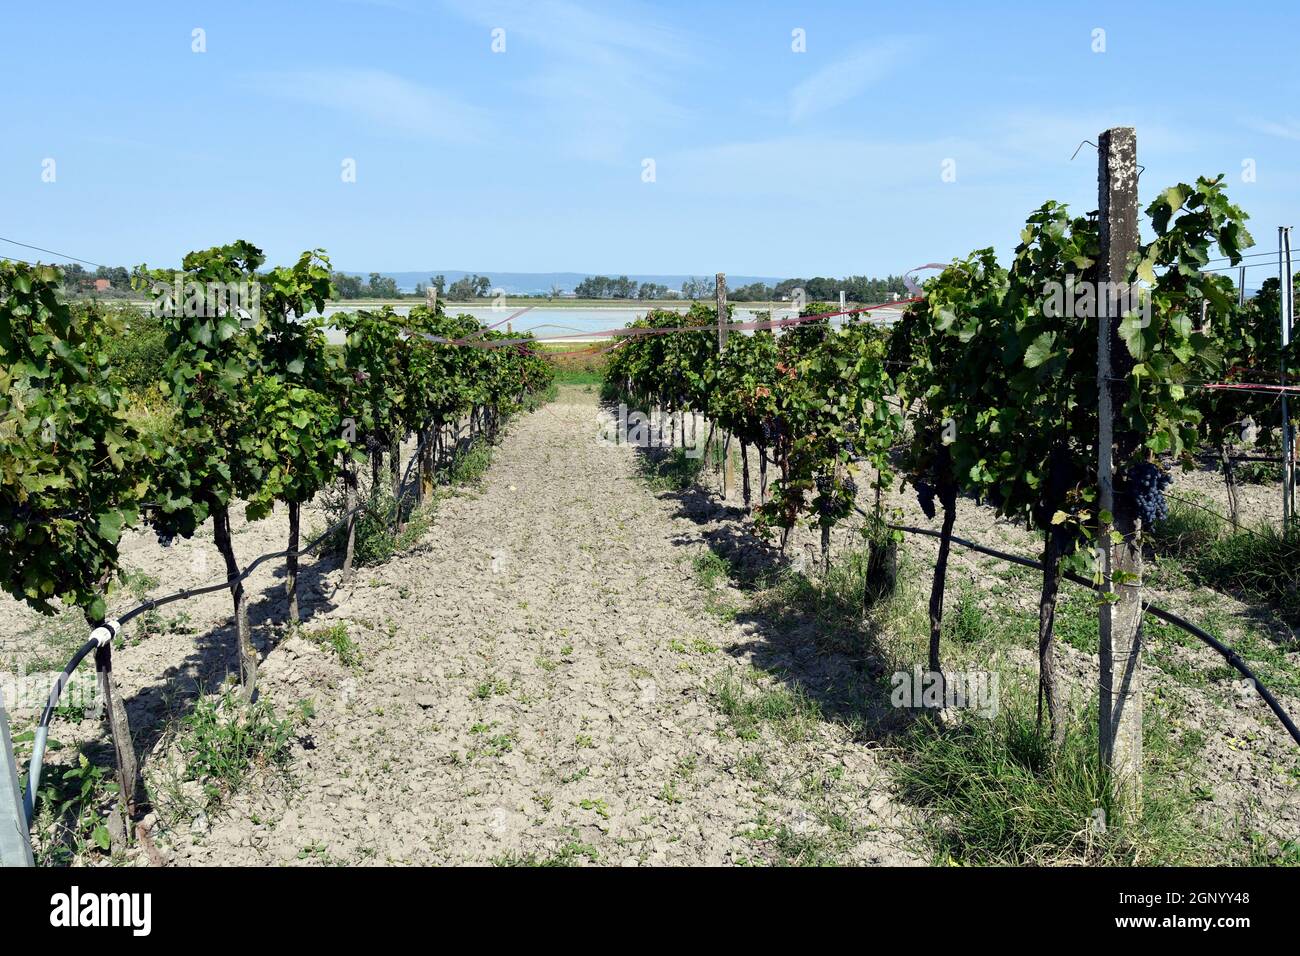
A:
(1250, 387)
(1264, 387)
(1243, 265)
(42, 733)
(1215, 459)
(1244, 255)
(1211, 511)
(1227, 653)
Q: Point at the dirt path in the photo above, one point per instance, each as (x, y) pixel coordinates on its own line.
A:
(543, 680)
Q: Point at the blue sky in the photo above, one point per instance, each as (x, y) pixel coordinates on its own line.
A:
(767, 161)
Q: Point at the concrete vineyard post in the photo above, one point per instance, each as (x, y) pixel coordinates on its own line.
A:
(720, 291)
(1285, 311)
(1120, 624)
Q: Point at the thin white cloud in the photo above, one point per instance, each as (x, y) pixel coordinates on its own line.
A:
(845, 79)
(578, 32)
(380, 98)
(1287, 129)
(821, 171)
(606, 76)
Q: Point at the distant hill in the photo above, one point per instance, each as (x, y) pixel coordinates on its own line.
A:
(532, 283)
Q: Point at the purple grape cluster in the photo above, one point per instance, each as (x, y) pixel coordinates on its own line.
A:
(1146, 484)
(925, 497)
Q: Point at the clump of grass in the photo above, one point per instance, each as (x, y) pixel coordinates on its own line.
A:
(489, 744)
(837, 599)
(1260, 562)
(335, 638)
(543, 396)
(71, 812)
(491, 687)
(1259, 472)
(966, 622)
(711, 569)
(750, 705)
(225, 740)
(570, 854)
(999, 793)
(377, 538)
(469, 467)
(713, 572)
(675, 471)
(1188, 530)
(1256, 562)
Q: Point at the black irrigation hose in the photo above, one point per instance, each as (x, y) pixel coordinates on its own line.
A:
(42, 731)
(1217, 459)
(62, 682)
(1228, 654)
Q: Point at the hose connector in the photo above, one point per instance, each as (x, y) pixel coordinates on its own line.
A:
(105, 633)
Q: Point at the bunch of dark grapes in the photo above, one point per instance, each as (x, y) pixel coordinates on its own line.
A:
(825, 489)
(925, 497)
(771, 429)
(1146, 484)
(850, 488)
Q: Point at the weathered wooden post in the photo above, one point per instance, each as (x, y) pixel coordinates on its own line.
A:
(1120, 723)
(119, 732)
(15, 848)
(720, 291)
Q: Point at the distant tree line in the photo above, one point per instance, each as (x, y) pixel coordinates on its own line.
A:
(349, 286)
(821, 289)
(469, 287)
(79, 281)
(816, 289)
(619, 287)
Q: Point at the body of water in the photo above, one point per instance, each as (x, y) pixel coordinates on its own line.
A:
(576, 325)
